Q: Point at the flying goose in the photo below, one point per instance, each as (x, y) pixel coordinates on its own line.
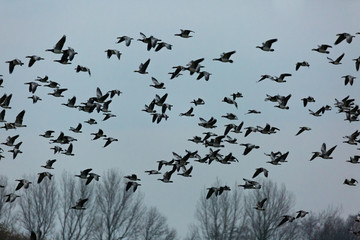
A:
(47, 134)
(186, 173)
(149, 108)
(250, 184)
(69, 54)
(266, 46)
(286, 218)
(253, 111)
(19, 119)
(33, 59)
(196, 139)
(357, 63)
(109, 140)
(68, 152)
(185, 33)
(10, 141)
(230, 101)
(250, 130)
(325, 154)
(281, 78)
(52, 84)
(143, 67)
(204, 74)
(160, 45)
(92, 176)
(248, 147)
(264, 76)
(80, 68)
(198, 101)
(307, 100)
(167, 176)
(344, 36)
(111, 52)
(22, 183)
(132, 177)
(260, 170)
(163, 162)
(84, 173)
(150, 41)
(301, 214)
(350, 182)
(59, 45)
(318, 113)
(77, 129)
(322, 48)
(207, 124)
(260, 205)
(237, 95)
(91, 121)
(58, 92)
(32, 86)
(63, 60)
(211, 190)
(108, 115)
(80, 204)
(132, 184)
(42, 175)
(231, 140)
(156, 84)
(43, 80)
(35, 98)
(282, 102)
(337, 60)
(11, 197)
(230, 116)
(348, 79)
(71, 103)
(302, 129)
(57, 149)
(49, 164)
(13, 63)
(152, 172)
(301, 64)
(194, 66)
(2, 116)
(225, 57)
(125, 39)
(177, 71)
(5, 101)
(188, 113)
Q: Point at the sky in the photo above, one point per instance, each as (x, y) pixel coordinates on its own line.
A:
(92, 27)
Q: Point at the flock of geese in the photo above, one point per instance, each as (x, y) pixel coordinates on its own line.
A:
(159, 108)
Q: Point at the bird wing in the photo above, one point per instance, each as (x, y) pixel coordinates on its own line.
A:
(340, 57)
(19, 117)
(269, 42)
(59, 45)
(328, 152)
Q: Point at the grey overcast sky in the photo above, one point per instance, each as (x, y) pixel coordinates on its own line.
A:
(91, 27)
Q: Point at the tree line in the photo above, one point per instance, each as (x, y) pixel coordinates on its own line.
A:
(111, 213)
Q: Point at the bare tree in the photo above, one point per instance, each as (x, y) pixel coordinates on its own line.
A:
(154, 226)
(75, 224)
(193, 233)
(328, 225)
(263, 225)
(119, 212)
(38, 206)
(7, 209)
(220, 217)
